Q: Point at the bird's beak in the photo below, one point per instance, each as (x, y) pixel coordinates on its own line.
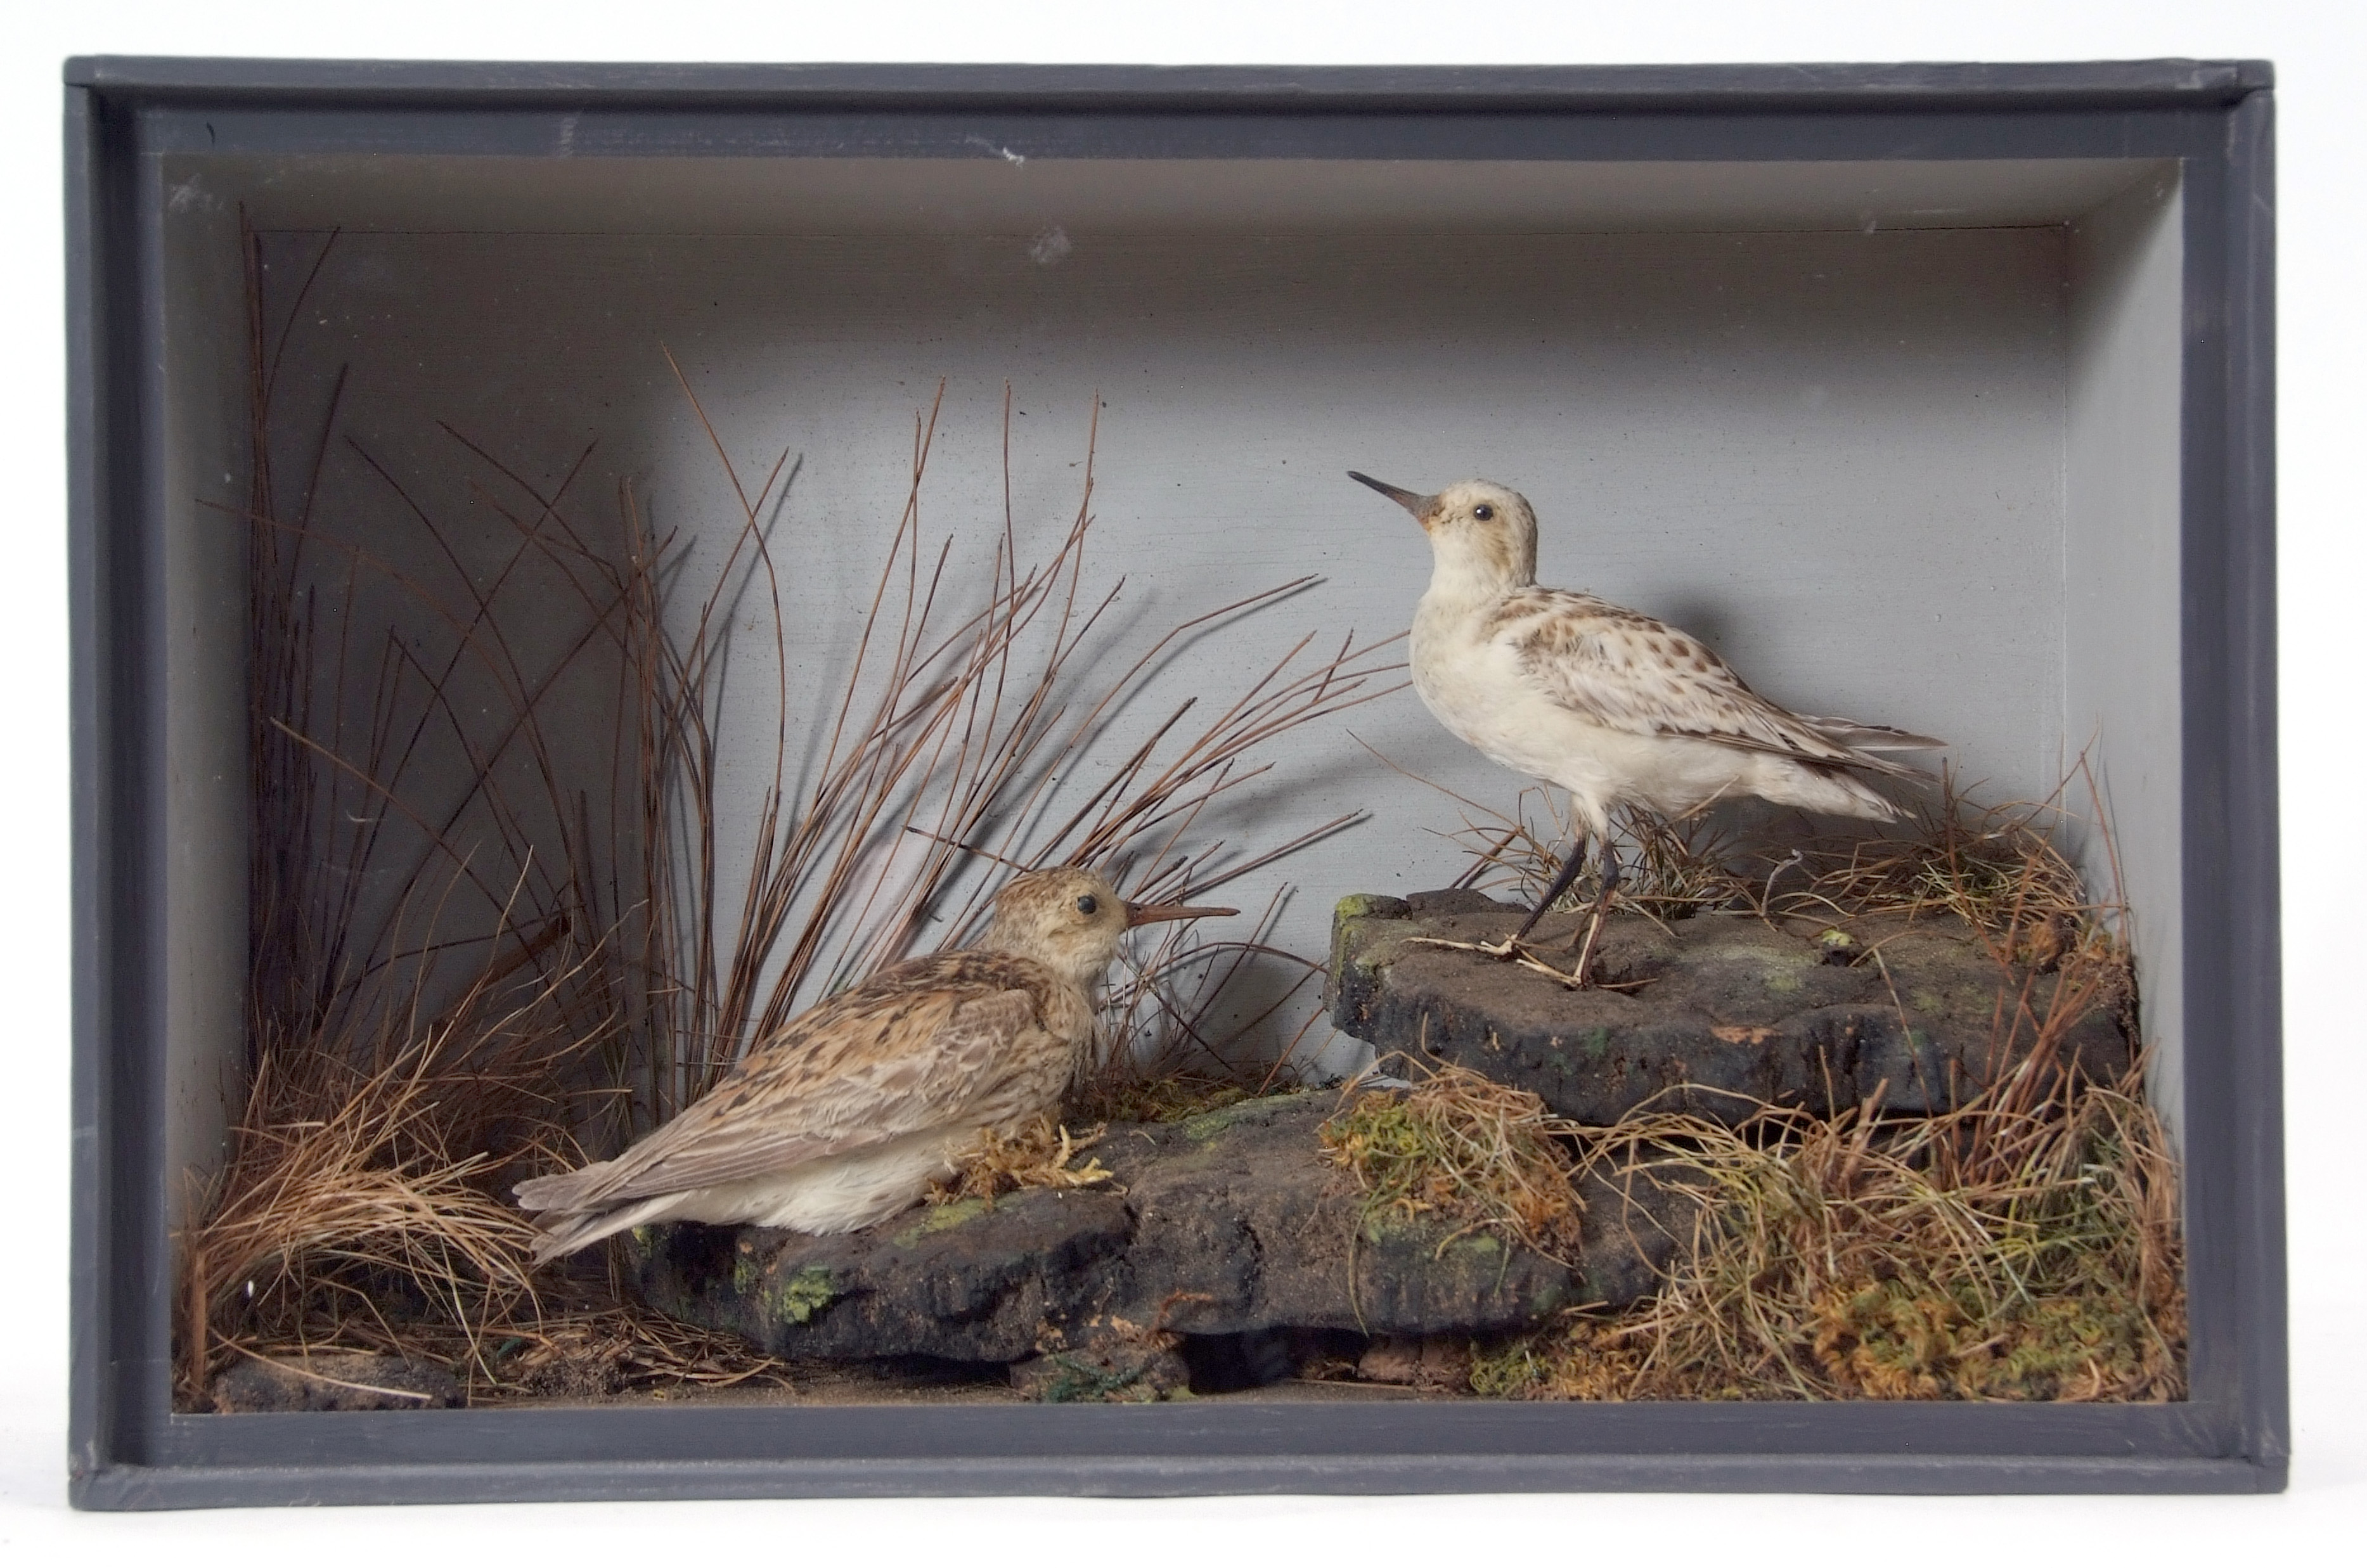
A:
(1419, 505)
(1152, 913)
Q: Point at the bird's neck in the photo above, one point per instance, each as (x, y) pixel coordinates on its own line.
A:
(1068, 1005)
(1080, 971)
(1462, 579)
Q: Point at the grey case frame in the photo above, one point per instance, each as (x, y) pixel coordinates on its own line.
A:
(130, 1450)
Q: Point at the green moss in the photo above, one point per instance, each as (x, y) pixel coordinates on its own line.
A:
(808, 1292)
(939, 1218)
(1898, 1340)
(1511, 1371)
(1175, 1099)
(1208, 1123)
(1473, 1250)
(1597, 1044)
(1345, 917)
(1076, 1381)
(1478, 1245)
(1357, 906)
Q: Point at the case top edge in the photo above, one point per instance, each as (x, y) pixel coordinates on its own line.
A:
(1840, 86)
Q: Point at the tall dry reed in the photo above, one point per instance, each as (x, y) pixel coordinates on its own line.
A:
(470, 959)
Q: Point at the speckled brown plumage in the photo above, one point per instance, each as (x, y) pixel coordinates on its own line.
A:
(846, 1111)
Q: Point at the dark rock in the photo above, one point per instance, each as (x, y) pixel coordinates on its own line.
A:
(1230, 1223)
(1449, 901)
(1227, 1363)
(335, 1379)
(964, 1281)
(1242, 1225)
(1134, 1369)
(1798, 1016)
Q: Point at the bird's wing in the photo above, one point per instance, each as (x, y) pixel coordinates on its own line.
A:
(1625, 670)
(869, 1065)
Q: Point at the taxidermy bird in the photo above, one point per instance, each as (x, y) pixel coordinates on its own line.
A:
(846, 1115)
(1614, 706)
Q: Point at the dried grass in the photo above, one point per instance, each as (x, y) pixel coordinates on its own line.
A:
(1984, 1253)
(602, 1350)
(1460, 1148)
(397, 1075)
(580, 1348)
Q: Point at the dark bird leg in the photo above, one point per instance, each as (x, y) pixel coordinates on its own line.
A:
(1567, 875)
(1601, 908)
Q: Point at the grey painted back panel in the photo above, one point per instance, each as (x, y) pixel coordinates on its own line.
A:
(1838, 457)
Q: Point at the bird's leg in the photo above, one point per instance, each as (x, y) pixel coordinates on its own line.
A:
(1567, 875)
(1601, 908)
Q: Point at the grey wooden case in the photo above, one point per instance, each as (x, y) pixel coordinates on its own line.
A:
(2092, 240)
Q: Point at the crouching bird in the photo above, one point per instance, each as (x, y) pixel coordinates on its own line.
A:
(1614, 706)
(847, 1113)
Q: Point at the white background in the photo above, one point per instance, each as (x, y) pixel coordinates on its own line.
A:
(2319, 51)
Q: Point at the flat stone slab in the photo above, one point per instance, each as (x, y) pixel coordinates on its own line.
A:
(1771, 1011)
(1231, 1223)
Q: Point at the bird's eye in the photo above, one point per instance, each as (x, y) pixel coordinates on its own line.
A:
(1087, 904)
(1483, 511)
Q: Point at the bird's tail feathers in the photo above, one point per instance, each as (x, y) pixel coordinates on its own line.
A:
(1866, 761)
(1872, 737)
(1864, 801)
(576, 1232)
(564, 1191)
(1867, 744)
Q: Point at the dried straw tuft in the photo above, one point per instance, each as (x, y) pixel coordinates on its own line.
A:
(1460, 1146)
(1041, 1155)
(2029, 1254)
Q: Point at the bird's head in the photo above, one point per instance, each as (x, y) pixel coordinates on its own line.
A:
(1483, 536)
(1071, 920)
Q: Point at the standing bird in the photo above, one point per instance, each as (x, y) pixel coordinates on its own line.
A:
(846, 1115)
(1615, 707)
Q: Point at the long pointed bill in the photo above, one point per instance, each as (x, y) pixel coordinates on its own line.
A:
(1152, 913)
(1414, 504)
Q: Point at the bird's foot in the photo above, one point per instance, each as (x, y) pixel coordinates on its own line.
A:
(1579, 977)
(1513, 950)
(1583, 970)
